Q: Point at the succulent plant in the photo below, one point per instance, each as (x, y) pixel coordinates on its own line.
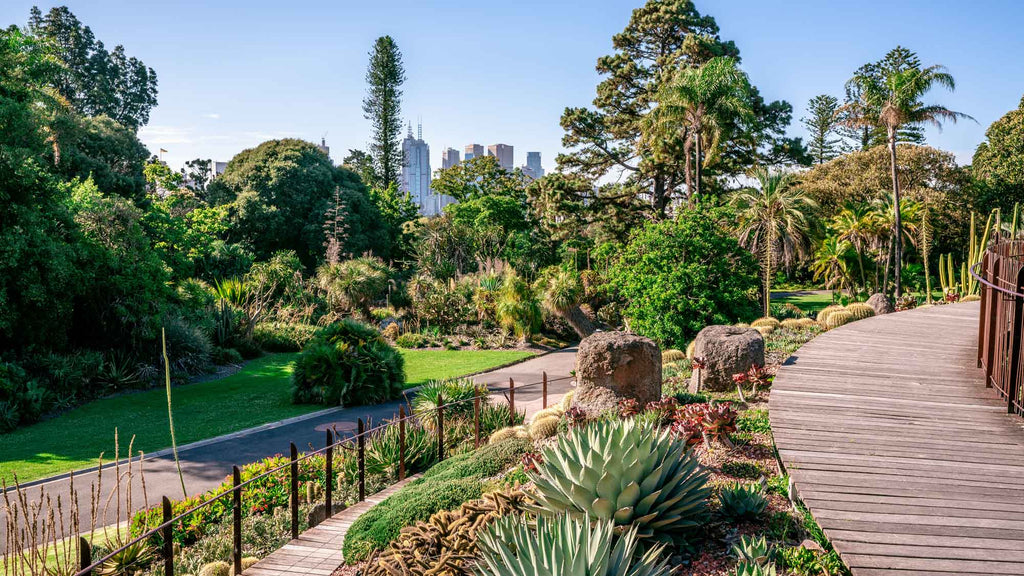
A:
(766, 321)
(446, 543)
(742, 501)
(672, 355)
(690, 348)
(628, 471)
(457, 394)
(743, 569)
(218, 568)
(576, 417)
(807, 323)
(566, 402)
(544, 427)
(860, 310)
(249, 562)
(792, 323)
(827, 311)
(837, 319)
(750, 550)
(629, 407)
(566, 546)
(968, 298)
(128, 560)
(765, 330)
(555, 411)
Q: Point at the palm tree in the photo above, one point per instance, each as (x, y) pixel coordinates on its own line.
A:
(697, 103)
(561, 292)
(773, 220)
(891, 97)
(830, 264)
(885, 213)
(857, 224)
(354, 284)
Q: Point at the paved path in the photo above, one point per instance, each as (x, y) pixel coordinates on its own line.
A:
(207, 464)
(907, 461)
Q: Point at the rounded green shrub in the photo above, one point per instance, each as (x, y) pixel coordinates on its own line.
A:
(283, 336)
(411, 340)
(628, 471)
(860, 310)
(838, 318)
(347, 364)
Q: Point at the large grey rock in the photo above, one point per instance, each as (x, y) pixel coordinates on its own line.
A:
(881, 304)
(725, 350)
(627, 365)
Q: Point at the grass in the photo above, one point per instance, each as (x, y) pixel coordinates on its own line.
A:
(259, 394)
(424, 365)
(809, 303)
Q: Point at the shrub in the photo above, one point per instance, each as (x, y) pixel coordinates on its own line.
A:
(188, 347)
(458, 392)
(283, 337)
(670, 297)
(565, 545)
(517, 308)
(384, 450)
(786, 311)
(742, 501)
(754, 421)
(348, 363)
(607, 460)
(392, 331)
(444, 487)
(412, 340)
(225, 356)
(354, 284)
(838, 318)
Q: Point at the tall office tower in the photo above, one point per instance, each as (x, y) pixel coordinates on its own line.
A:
(449, 158)
(533, 169)
(473, 151)
(503, 152)
(325, 148)
(416, 171)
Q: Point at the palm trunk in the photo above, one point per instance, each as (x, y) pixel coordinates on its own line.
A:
(578, 320)
(699, 162)
(860, 263)
(898, 224)
(768, 272)
(924, 254)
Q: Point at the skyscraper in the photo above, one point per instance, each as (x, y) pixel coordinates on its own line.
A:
(449, 158)
(474, 151)
(533, 169)
(416, 175)
(504, 154)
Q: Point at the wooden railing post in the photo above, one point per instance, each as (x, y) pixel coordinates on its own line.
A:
(544, 390)
(294, 489)
(1013, 385)
(511, 402)
(440, 427)
(236, 518)
(84, 556)
(168, 535)
(361, 444)
(476, 417)
(401, 443)
(329, 475)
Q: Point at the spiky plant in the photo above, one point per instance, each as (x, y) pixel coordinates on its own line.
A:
(561, 291)
(838, 318)
(792, 323)
(755, 570)
(827, 311)
(565, 546)
(742, 501)
(544, 428)
(860, 310)
(627, 471)
(672, 355)
(566, 402)
(384, 450)
(690, 348)
(456, 393)
(756, 551)
(517, 307)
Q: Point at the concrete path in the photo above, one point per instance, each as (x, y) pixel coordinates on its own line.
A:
(206, 464)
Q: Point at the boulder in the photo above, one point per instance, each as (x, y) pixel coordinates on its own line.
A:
(616, 365)
(880, 303)
(318, 513)
(724, 351)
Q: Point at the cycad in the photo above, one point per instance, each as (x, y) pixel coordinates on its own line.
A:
(561, 292)
(517, 307)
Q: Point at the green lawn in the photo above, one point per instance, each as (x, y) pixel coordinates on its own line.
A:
(424, 365)
(260, 393)
(809, 303)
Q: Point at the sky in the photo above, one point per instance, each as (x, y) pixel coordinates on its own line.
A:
(233, 74)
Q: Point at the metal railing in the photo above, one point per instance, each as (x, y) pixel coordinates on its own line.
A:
(1001, 325)
(166, 528)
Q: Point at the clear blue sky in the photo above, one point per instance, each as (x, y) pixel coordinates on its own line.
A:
(233, 74)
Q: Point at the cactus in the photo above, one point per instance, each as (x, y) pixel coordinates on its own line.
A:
(837, 319)
(791, 324)
(969, 298)
(566, 402)
(968, 285)
(215, 569)
(765, 330)
(807, 323)
(544, 428)
(555, 411)
(672, 355)
(860, 310)
(249, 562)
(690, 348)
(505, 433)
(826, 312)
(742, 501)
(766, 321)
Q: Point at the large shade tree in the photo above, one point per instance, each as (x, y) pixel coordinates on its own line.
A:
(892, 98)
(998, 163)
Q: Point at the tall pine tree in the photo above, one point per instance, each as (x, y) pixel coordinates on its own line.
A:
(383, 107)
(822, 125)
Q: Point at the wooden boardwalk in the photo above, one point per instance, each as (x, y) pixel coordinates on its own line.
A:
(907, 461)
(317, 551)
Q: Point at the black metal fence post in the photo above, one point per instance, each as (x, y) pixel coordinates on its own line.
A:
(361, 443)
(511, 402)
(440, 427)
(168, 535)
(84, 555)
(294, 452)
(329, 474)
(401, 443)
(236, 518)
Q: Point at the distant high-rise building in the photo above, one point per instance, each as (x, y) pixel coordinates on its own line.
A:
(219, 167)
(533, 169)
(325, 148)
(473, 151)
(416, 174)
(449, 158)
(504, 154)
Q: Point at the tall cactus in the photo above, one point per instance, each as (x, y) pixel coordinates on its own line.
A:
(975, 251)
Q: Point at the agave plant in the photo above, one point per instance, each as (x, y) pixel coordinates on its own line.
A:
(127, 560)
(742, 501)
(755, 551)
(627, 471)
(743, 569)
(565, 546)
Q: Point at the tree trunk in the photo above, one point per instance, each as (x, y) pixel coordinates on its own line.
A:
(860, 263)
(898, 223)
(660, 197)
(699, 163)
(924, 254)
(768, 272)
(578, 320)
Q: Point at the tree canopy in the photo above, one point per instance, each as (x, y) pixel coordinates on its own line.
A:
(998, 163)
